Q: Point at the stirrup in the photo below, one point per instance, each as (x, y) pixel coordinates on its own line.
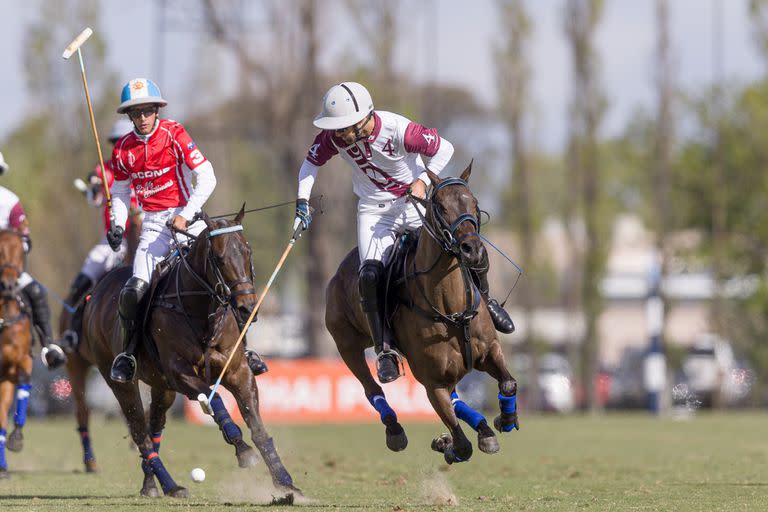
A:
(255, 363)
(52, 356)
(119, 373)
(385, 373)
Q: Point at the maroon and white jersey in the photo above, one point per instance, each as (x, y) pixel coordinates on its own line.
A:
(12, 214)
(158, 166)
(386, 162)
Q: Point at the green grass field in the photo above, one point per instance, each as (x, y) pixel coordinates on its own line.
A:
(614, 462)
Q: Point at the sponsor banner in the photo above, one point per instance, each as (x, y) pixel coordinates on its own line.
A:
(319, 390)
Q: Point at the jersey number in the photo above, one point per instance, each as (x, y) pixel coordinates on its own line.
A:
(197, 157)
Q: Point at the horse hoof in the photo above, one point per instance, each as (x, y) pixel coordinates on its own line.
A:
(286, 499)
(397, 441)
(91, 466)
(15, 441)
(4, 475)
(506, 422)
(246, 458)
(149, 492)
(442, 443)
(178, 492)
(486, 439)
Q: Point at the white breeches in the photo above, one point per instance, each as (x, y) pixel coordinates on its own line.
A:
(156, 241)
(379, 223)
(101, 259)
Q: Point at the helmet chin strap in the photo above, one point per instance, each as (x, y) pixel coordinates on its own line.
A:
(359, 129)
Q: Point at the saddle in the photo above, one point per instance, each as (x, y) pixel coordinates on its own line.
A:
(395, 271)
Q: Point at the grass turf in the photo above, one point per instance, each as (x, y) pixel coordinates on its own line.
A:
(614, 462)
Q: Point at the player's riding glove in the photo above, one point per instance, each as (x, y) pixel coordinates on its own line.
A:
(115, 238)
(303, 214)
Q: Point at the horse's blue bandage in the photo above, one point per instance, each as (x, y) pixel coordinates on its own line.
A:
(464, 412)
(224, 421)
(282, 476)
(3, 464)
(156, 438)
(508, 404)
(85, 439)
(380, 404)
(22, 402)
(154, 462)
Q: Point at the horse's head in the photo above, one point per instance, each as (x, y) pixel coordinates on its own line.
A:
(11, 260)
(454, 217)
(227, 264)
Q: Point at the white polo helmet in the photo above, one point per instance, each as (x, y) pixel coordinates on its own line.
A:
(140, 91)
(344, 105)
(120, 128)
(4, 167)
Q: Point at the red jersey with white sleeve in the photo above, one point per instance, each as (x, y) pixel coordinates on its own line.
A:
(386, 162)
(110, 174)
(160, 166)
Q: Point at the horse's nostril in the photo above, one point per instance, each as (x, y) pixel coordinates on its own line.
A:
(466, 249)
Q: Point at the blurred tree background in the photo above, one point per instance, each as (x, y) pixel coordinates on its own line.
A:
(695, 163)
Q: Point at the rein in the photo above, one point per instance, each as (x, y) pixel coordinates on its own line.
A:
(445, 236)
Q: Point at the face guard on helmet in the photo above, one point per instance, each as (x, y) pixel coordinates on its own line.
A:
(345, 105)
(140, 91)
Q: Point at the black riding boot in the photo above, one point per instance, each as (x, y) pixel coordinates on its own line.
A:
(254, 360)
(387, 360)
(124, 365)
(80, 286)
(501, 319)
(37, 298)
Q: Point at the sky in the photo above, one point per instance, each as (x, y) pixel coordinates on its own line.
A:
(449, 41)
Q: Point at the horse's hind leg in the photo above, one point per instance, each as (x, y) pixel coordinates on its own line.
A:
(496, 367)
(162, 399)
(130, 402)
(243, 386)
(353, 353)
(456, 447)
(23, 388)
(6, 398)
(77, 368)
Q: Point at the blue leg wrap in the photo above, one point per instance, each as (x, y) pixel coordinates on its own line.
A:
(85, 440)
(380, 404)
(156, 438)
(465, 413)
(3, 463)
(22, 402)
(228, 427)
(153, 461)
(508, 404)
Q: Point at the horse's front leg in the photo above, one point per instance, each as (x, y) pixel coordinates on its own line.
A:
(6, 399)
(455, 447)
(23, 389)
(162, 399)
(77, 369)
(495, 365)
(241, 383)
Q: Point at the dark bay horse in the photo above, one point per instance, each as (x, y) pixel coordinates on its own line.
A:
(189, 330)
(439, 308)
(15, 340)
(77, 365)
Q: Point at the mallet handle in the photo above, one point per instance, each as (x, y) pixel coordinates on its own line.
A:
(104, 182)
(287, 250)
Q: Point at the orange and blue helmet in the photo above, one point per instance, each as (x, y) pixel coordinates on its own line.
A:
(140, 91)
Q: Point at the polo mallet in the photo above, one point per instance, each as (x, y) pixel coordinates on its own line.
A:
(205, 401)
(73, 47)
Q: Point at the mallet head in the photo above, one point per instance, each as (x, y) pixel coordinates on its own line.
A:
(77, 42)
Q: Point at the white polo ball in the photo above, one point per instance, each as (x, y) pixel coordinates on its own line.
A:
(197, 474)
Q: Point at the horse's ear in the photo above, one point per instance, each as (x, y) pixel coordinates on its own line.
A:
(434, 178)
(240, 215)
(205, 218)
(465, 175)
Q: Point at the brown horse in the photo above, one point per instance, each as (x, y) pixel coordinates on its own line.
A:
(189, 329)
(15, 339)
(78, 365)
(439, 307)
